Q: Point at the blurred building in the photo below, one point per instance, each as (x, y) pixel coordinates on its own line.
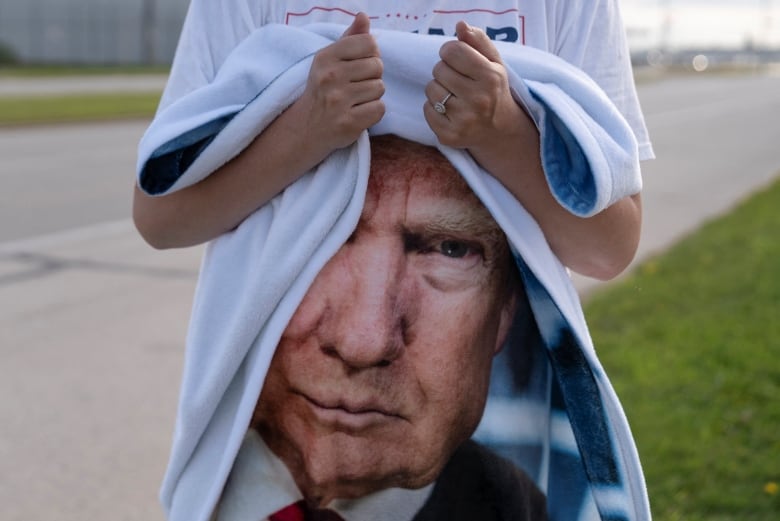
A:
(703, 34)
(91, 31)
(712, 24)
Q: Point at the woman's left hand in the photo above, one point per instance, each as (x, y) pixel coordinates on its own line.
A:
(480, 108)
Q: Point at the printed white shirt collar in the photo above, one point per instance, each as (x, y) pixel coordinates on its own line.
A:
(243, 500)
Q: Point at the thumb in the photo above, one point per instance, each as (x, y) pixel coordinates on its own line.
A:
(478, 40)
(360, 25)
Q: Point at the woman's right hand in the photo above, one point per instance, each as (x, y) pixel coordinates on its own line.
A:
(344, 89)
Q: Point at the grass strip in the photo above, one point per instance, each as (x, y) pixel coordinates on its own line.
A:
(691, 341)
(18, 110)
(55, 71)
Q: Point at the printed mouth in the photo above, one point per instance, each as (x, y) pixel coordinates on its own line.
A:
(343, 405)
(343, 415)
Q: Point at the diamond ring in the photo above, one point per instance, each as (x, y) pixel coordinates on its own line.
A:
(439, 105)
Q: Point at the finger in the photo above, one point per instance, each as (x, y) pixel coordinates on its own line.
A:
(365, 91)
(355, 47)
(360, 25)
(441, 126)
(462, 59)
(368, 113)
(452, 80)
(347, 69)
(435, 120)
(435, 92)
(363, 69)
(478, 40)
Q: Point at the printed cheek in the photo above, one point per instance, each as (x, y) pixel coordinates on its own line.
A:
(304, 320)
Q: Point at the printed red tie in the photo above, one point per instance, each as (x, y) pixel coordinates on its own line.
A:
(301, 512)
(293, 512)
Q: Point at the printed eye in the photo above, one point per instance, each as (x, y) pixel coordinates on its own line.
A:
(443, 247)
(448, 261)
(454, 249)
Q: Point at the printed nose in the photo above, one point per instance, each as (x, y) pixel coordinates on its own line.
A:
(372, 310)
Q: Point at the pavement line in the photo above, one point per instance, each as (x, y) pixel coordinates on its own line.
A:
(38, 265)
(92, 231)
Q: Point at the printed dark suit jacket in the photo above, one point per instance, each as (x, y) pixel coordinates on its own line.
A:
(479, 485)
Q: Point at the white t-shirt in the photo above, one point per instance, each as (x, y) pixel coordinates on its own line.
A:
(589, 35)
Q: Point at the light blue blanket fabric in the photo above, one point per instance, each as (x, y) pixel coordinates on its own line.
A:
(565, 427)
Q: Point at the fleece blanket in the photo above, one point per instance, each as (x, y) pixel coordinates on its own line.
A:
(553, 410)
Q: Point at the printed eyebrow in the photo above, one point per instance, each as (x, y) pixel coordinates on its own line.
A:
(469, 226)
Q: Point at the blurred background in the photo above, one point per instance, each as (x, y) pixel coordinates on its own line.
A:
(93, 321)
(91, 31)
(660, 32)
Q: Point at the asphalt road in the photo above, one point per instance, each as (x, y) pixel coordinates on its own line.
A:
(92, 321)
(61, 178)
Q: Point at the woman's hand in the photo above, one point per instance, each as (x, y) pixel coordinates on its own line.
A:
(344, 89)
(481, 109)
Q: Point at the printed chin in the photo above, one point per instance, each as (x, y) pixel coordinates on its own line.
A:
(358, 465)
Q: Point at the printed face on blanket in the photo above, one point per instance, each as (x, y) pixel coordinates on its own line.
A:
(383, 370)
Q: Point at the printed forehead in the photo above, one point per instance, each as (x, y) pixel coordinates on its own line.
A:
(396, 161)
(418, 187)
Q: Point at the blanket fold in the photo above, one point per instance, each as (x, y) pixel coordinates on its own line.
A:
(576, 443)
(589, 153)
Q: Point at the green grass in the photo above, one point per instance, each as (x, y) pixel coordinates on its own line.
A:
(691, 341)
(46, 71)
(71, 108)
(18, 110)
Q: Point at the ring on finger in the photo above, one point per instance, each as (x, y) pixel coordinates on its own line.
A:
(439, 106)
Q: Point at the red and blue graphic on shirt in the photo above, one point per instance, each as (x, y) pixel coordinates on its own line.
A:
(501, 25)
